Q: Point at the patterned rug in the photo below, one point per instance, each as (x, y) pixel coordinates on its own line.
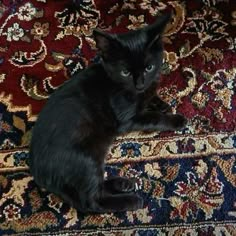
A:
(187, 178)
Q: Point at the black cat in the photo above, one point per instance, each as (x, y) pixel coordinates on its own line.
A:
(81, 119)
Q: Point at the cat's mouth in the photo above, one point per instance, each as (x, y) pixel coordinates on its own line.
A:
(140, 89)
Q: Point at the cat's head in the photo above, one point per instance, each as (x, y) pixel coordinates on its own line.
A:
(133, 59)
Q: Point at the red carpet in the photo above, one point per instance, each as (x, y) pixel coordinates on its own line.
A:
(44, 42)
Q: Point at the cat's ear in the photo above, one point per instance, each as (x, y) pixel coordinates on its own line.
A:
(104, 41)
(155, 31)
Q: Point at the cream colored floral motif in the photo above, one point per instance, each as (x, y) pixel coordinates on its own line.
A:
(55, 202)
(201, 168)
(27, 12)
(175, 201)
(72, 217)
(136, 22)
(153, 170)
(172, 59)
(40, 30)
(141, 215)
(15, 32)
(16, 191)
(11, 212)
(128, 4)
(2, 77)
(200, 99)
(153, 6)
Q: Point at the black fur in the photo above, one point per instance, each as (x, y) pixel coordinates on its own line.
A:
(82, 118)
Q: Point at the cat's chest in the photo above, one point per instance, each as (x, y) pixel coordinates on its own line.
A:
(124, 107)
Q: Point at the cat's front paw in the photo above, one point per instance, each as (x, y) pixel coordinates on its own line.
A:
(156, 104)
(165, 108)
(178, 122)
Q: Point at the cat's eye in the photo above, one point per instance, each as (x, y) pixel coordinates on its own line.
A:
(149, 68)
(125, 73)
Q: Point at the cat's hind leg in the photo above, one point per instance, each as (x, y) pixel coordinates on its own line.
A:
(120, 202)
(102, 202)
(119, 184)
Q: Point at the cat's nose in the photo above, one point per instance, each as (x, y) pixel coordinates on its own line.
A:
(139, 83)
(140, 87)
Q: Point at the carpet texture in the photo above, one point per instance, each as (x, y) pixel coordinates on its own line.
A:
(187, 178)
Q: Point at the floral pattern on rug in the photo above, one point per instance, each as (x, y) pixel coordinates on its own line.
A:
(199, 192)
